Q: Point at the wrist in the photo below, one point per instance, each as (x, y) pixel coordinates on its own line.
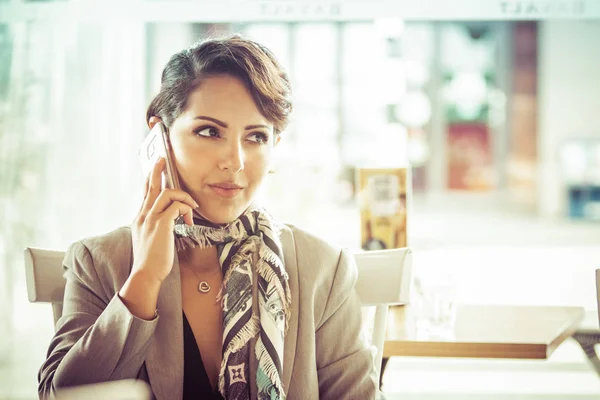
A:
(144, 278)
(140, 294)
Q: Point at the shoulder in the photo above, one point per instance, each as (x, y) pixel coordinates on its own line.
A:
(105, 259)
(111, 246)
(310, 246)
(315, 258)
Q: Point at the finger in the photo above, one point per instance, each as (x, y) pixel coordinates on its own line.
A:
(154, 186)
(177, 209)
(168, 196)
(188, 217)
(145, 194)
(146, 186)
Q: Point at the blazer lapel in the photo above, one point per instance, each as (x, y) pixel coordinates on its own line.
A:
(289, 349)
(165, 357)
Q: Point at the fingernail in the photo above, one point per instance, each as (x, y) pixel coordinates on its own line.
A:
(196, 204)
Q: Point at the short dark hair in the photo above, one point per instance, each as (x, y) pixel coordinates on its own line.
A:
(242, 58)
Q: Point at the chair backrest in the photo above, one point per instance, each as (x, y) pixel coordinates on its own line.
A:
(44, 275)
(384, 278)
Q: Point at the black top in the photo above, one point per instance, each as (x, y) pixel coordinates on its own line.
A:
(195, 381)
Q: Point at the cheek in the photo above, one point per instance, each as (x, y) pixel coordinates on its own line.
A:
(182, 158)
(187, 160)
(258, 165)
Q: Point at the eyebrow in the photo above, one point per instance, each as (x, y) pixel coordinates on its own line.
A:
(224, 125)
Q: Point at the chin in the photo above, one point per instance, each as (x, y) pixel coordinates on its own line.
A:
(222, 215)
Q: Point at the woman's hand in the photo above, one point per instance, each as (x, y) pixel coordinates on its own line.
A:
(153, 242)
(152, 230)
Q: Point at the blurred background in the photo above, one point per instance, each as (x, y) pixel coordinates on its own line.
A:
(495, 105)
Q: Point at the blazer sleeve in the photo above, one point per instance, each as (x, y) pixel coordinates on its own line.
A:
(97, 338)
(345, 363)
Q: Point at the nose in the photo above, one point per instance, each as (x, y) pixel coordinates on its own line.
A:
(233, 158)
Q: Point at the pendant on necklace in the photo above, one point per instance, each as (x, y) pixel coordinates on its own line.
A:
(204, 287)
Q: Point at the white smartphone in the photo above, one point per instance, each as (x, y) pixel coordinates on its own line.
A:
(154, 146)
(128, 389)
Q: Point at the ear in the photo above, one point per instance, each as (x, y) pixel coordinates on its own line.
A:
(153, 121)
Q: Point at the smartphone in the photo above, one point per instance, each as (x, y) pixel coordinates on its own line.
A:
(154, 146)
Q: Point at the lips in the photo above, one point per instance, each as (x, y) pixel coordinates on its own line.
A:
(227, 185)
(226, 189)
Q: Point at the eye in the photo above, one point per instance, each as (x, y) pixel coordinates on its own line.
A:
(259, 137)
(207, 131)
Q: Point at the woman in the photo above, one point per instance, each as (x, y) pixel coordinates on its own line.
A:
(223, 301)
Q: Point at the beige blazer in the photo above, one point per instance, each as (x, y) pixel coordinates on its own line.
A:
(98, 339)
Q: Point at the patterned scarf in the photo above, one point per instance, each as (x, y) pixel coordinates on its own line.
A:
(248, 248)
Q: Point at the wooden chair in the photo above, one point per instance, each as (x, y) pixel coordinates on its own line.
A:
(384, 278)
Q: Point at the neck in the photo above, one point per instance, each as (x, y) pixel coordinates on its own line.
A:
(200, 259)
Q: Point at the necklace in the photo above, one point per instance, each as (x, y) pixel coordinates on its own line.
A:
(203, 286)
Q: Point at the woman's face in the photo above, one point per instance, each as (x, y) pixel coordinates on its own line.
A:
(222, 148)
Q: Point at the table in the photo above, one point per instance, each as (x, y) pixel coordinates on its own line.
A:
(486, 331)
